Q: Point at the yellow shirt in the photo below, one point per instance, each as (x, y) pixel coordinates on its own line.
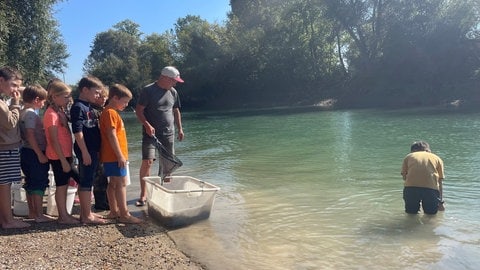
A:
(422, 169)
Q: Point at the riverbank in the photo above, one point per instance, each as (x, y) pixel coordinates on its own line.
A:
(110, 246)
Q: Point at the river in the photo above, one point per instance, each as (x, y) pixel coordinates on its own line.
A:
(309, 189)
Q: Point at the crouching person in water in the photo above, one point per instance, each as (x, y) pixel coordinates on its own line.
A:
(423, 174)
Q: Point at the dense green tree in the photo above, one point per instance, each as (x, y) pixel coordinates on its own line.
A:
(121, 55)
(427, 46)
(4, 32)
(295, 52)
(290, 55)
(30, 40)
(113, 57)
(362, 22)
(301, 49)
(401, 52)
(154, 53)
(199, 49)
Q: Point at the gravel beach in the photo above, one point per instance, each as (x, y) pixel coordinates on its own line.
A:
(111, 246)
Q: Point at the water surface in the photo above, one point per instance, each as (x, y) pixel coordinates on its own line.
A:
(309, 189)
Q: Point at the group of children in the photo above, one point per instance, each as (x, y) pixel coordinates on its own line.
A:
(36, 146)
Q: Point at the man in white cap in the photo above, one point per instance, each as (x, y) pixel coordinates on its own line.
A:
(158, 109)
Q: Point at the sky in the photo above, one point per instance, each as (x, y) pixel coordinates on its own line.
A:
(81, 20)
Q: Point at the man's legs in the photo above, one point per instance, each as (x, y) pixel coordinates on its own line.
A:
(412, 198)
(430, 200)
(144, 171)
(148, 156)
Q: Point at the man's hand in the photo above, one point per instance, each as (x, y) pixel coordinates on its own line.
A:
(149, 129)
(180, 135)
(441, 206)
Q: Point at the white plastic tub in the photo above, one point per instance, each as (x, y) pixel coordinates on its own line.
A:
(181, 201)
(52, 204)
(20, 205)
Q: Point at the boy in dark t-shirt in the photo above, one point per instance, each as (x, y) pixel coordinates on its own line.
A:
(87, 143)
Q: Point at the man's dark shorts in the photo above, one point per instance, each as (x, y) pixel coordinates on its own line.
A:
(429, 198)
(149, 145)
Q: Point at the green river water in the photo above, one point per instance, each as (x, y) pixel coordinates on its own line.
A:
(310, 189)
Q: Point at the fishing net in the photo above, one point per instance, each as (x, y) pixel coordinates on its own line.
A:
(168, 161)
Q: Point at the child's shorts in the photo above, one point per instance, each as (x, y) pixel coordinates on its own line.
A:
(112, 169)
(10, 166)
(36, 173)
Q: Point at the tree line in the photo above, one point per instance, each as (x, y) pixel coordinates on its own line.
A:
(30, 40)
(359, 53)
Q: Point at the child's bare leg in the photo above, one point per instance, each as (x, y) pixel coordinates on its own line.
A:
(37, 200)
(61, 199)
(121, 197)
(112, 200)
(86, 215)
(31, 206)
(6, 217)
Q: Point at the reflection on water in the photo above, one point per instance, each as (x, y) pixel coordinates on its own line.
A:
(322, 190)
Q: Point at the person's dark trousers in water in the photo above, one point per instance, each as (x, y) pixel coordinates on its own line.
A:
(429, 198)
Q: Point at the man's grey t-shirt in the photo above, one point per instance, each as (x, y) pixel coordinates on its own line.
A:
(159, 104)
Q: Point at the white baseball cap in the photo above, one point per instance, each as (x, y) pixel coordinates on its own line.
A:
(172, 72)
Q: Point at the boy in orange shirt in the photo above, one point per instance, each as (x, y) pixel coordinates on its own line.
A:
(114, 153)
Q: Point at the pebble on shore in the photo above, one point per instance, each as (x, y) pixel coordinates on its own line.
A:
(110, 246)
